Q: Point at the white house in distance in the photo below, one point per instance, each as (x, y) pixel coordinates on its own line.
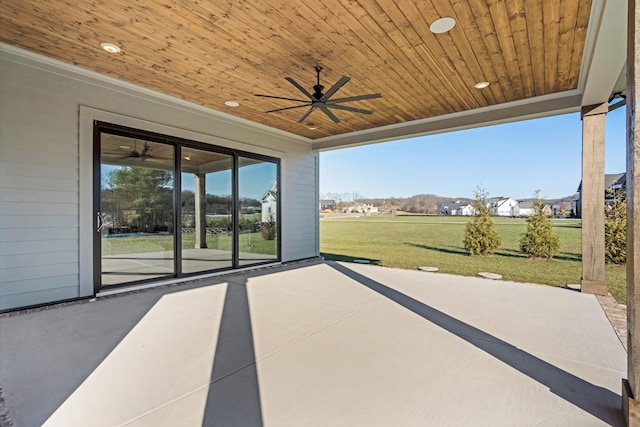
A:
(270, 206)
(522, 209)
(457, 208)
(501, 206)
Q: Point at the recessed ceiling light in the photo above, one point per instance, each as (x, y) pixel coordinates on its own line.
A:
(442, 25)
(110, 47)
(124, 147)
(481, 85)
(312, 128)
(187, 157)
(232, 103)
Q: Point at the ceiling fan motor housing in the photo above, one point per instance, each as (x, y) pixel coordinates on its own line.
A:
(318, 92)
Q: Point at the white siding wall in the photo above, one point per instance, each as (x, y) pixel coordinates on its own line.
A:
(45, 170)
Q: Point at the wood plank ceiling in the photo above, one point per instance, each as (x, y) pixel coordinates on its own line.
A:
(212, 51)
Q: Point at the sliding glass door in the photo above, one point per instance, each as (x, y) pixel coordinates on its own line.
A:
(258, 210)
(207, 210)
(136, 215)
(167, 207)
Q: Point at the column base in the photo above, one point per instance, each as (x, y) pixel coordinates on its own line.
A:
(594, 287)
(630, 406)
(200, 246)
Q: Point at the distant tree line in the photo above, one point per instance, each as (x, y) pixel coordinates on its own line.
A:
(216, 204)
(141, 200)
(426, 204)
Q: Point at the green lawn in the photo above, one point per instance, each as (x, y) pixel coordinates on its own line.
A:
(249, 242)
(413, 241)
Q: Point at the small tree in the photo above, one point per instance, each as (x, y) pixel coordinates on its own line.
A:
(268, 228)
(615, 229)
(540, 240)
(481, 237)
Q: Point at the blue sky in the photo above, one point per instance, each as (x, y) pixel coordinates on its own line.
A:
(513, 159)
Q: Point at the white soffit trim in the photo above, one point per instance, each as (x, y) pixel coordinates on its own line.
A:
(35, 60)
(541, 106)
(605, 53)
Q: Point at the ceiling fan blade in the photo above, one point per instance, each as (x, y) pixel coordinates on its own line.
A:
(287, 108)
(355, 98)
(281, 97)
(300, 88)
(334, 88)
(332, 116)
(353, 110)
(302, 119)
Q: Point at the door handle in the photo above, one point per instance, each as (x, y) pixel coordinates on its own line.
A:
(101, 222)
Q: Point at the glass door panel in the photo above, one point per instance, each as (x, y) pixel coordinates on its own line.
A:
(136, 216)
(206, 214)
(257, 211)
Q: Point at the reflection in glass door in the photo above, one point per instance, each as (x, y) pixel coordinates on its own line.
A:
(136, 212)
(258, 211)
(159, 216)
(206, 214)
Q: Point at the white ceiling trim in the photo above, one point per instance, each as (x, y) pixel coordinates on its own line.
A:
(605, 52)
(542, 106)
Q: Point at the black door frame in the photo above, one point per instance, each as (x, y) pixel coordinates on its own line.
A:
(100, 127)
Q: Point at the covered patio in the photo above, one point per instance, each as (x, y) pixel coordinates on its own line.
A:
(324, 343)
(318, 343)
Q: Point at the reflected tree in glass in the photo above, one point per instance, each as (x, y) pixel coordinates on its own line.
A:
(137, 211)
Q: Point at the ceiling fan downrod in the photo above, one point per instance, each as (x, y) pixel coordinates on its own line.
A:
(318, 87)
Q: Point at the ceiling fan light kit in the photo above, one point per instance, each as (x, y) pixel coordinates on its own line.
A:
(321, 101)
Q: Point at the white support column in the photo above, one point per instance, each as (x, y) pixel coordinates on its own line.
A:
(593, 127)
(631, 387)
(201, 211)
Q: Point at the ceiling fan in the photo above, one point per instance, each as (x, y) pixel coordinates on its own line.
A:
(322, 101)
(144, 154)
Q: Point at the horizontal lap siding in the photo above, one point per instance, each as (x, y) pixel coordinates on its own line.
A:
(40, 227)
(38, 190)
(300, 204)
(49, 294)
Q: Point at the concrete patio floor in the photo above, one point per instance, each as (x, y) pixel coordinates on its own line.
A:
(317, 344)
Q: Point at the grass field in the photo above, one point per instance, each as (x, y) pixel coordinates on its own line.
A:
(413, 241)
(249, 242)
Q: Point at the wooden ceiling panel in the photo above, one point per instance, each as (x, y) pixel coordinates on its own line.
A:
(208, 52)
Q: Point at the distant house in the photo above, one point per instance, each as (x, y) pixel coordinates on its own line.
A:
(501, 206)
(457, 208)
(614, 181)
(327, 204)
(448, 208)
(269, 206)
(522, 209)
(526, 209)
(466, 209)
(367, 208)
